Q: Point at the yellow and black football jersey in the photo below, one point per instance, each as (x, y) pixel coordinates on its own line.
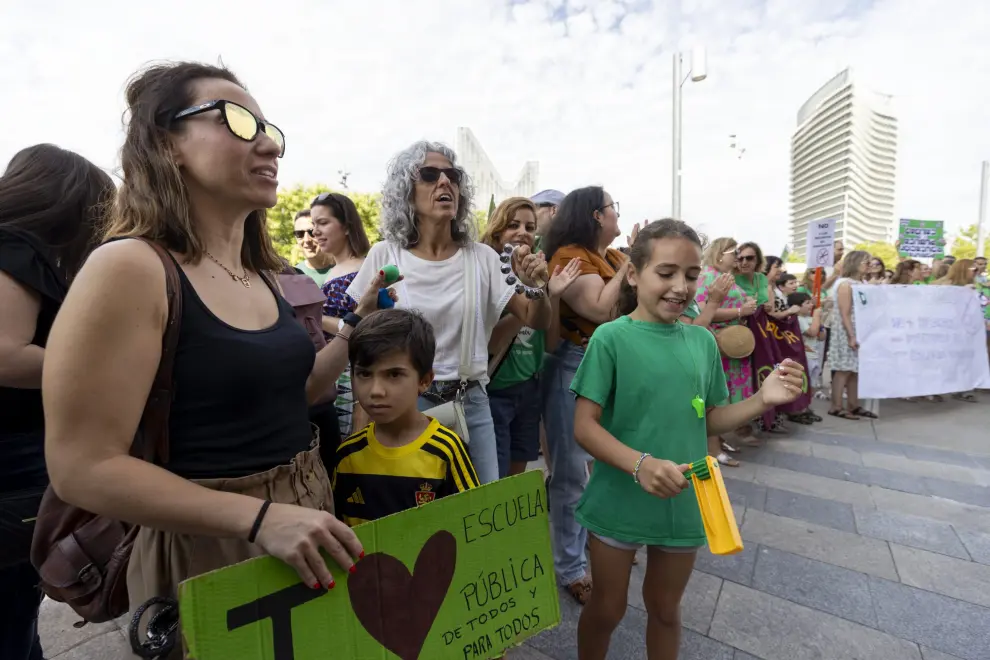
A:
(371, 481)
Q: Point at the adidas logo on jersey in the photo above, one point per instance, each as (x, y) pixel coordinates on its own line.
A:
(356, 497)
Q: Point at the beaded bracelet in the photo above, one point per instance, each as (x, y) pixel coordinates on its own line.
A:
(531, 292)
(638, 464)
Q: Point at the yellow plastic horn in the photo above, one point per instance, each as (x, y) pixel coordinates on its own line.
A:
(716, 510)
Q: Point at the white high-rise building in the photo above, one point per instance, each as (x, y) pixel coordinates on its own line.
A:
(844, 163)
(487, 181)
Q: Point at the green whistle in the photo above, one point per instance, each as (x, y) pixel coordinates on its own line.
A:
(699, 406)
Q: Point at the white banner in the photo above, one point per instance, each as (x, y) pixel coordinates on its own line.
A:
(919, 340)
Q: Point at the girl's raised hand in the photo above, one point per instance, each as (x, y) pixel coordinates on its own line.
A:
(563, 278)
(783, 385)
(662, 478)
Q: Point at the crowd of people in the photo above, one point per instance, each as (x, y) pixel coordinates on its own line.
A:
(280, 441)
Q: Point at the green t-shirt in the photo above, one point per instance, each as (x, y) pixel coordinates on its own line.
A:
(319, 275)
(757, 288)
(644, 376)
(523, 360)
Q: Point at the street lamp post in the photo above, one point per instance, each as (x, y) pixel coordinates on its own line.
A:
(697, 74)
(981, 226)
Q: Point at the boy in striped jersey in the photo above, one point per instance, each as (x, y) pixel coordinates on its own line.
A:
(402, 459)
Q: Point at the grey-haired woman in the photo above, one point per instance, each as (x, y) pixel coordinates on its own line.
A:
(429, 234)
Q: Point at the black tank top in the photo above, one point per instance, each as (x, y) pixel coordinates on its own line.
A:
(239, 399)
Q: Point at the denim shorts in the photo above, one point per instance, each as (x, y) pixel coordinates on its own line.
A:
(622, 545)
(516, 412)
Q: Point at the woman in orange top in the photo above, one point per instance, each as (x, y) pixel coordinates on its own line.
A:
(586, 223)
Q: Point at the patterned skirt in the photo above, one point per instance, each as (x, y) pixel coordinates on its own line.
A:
(840, 356)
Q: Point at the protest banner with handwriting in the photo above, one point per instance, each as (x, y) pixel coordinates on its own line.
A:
(464, 577)
(919, 340)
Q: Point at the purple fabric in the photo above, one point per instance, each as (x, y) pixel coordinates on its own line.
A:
(776, 340)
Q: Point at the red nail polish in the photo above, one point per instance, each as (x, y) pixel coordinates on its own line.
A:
(353, 568)
(361, 556)
(316, 585)
(331, 585)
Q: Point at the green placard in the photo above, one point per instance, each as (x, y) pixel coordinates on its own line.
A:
(921, 239)
(464, 577)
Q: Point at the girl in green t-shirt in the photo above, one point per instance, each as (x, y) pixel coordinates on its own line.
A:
(646, 395)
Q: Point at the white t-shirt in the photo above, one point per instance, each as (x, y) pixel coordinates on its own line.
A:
(436, 290)
(812, 345)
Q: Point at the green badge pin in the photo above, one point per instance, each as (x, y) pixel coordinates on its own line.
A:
(699, 406)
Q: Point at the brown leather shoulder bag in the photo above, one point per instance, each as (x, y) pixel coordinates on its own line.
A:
(82, 557)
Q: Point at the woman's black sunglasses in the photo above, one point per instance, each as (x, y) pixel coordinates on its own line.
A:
(430, 174)
(240, 121)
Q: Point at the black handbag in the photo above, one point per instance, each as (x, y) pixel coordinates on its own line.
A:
(18, 513)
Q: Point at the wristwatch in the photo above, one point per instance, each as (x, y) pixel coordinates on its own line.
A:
(351, 319)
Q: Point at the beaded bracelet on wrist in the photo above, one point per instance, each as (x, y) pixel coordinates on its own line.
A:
(531, 292)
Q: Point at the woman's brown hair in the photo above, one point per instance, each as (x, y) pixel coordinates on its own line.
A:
(902, 275)
(343, 209)
(152, 201)
(961, 273)
(58, 197)
(501, 218)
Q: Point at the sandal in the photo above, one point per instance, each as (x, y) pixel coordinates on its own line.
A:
(964, 396)
(725, 459)
(800, 418)
(813, 417)
(580, 590)
(842, 414)
(863, 412)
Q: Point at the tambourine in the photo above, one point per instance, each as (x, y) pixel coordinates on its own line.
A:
(530, 292)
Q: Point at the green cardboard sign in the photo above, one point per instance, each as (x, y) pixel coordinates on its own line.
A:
(921, 239)
(464, 577)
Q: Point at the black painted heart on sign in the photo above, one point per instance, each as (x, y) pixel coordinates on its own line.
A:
(398, 608)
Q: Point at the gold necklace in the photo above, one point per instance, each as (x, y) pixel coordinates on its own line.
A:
(246, 280)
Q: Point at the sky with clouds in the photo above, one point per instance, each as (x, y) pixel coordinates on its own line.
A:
(582, 86)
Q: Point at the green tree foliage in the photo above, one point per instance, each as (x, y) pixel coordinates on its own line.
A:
(885, 251)
(964, 247)
(292, 200)
(481, 221)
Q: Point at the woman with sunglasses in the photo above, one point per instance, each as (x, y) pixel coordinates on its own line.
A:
(429, 233)
(750, 276)
(199, 169)
(877, 272)
(50, 210)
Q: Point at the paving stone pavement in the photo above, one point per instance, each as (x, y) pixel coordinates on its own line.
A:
(864, 540)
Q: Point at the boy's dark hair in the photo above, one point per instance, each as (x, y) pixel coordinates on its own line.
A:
(302, 213)
(784, 278)
(797, 298)
(388, 330)
(641, 250)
